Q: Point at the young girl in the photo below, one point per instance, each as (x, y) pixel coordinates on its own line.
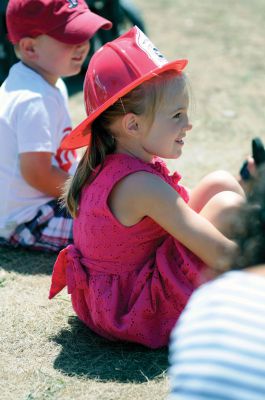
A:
(141, 239)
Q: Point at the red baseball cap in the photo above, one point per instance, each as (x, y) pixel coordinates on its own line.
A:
(69, 21)
(113, 71)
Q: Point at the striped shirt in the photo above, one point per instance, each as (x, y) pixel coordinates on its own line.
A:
(217, 349)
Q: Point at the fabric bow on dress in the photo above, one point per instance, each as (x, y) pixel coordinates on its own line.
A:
(68, 271)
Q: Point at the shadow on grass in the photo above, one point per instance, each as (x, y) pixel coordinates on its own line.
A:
(86, 354)
(26, 262)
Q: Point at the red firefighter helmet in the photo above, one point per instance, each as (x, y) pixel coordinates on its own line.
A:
(114, 70)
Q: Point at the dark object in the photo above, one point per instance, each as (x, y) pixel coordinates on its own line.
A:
(7, 54)
(258, 153)
(122, 13)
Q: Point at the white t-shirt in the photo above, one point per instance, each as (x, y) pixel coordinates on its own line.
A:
(33, 117)
(217, 348)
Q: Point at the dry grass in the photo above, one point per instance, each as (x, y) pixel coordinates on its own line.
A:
(46, 353)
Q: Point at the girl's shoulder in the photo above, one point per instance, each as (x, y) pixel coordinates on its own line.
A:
(118, 166)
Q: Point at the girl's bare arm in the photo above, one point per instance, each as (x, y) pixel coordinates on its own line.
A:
(143, 194)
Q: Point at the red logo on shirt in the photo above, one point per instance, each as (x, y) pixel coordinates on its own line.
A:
(65, 158)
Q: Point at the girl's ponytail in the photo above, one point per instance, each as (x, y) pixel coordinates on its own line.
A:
(102, 144)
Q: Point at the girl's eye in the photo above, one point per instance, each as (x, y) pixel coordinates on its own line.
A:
(177, 116)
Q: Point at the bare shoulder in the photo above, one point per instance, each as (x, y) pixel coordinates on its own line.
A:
(132, 196)
(141, 185)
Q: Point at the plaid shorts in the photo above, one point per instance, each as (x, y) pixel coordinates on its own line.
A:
(50, 230)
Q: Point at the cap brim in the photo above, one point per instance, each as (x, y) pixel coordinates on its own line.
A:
(81, 135)
(81, 28)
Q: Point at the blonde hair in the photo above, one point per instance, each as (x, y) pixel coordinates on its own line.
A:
(144, 100)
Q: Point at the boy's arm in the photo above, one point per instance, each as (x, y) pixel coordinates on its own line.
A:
(38, 171)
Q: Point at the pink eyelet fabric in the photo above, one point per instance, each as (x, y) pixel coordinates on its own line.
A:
(126, 283)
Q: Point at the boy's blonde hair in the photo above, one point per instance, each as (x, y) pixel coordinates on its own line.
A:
(144, 100)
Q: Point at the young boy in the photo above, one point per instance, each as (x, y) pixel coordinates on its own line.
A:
(51, 38)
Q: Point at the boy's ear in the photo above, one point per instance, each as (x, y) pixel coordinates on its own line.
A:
(130, 124)
(27, 48)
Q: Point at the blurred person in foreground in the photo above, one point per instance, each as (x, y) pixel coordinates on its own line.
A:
(217, 349)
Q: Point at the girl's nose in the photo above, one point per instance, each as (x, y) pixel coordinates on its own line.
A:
(188, 127)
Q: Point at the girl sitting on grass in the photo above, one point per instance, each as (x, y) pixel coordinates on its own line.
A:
(141, 239)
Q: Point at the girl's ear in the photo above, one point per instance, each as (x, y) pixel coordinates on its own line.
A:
(130, 124)
(27, 48)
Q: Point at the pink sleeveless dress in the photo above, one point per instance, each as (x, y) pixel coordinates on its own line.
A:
(126, 283)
